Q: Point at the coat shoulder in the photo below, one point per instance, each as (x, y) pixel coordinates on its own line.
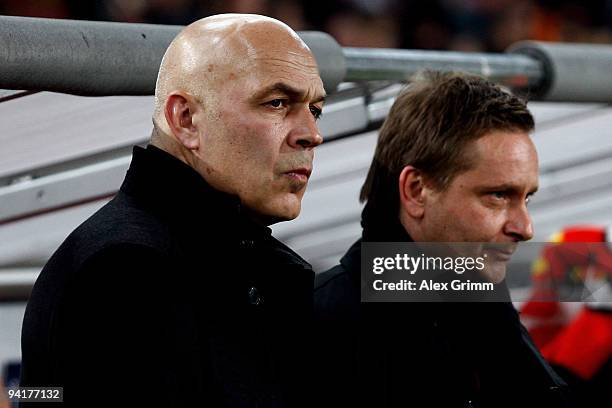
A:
(117, 235)
(120, 222)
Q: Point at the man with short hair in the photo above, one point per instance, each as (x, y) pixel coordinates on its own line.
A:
(175, 293)
(454, 163)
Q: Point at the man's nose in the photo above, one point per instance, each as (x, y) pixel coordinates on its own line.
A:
(519, 223)
(305, 133)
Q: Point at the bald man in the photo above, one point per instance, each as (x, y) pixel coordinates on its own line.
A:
(175, 293)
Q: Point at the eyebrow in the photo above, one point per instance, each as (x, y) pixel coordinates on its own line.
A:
(507, 187)
(288, 90)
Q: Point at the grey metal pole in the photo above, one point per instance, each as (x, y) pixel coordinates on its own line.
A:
(572, 72)
(390, 64)
(81, 57)
(103, 58)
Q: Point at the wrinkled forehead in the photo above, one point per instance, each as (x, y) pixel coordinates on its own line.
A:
(281, 65)
(258, 64)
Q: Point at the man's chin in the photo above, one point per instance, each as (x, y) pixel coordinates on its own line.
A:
(275, 215)
(278, 208)
(288, 215)
(495, 272)
(279, 218)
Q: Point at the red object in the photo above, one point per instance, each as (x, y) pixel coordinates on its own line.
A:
(585, 344)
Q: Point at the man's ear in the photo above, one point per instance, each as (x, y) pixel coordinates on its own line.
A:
(180, 110)
(412, 191)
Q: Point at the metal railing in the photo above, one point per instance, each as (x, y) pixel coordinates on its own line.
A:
(104, 58)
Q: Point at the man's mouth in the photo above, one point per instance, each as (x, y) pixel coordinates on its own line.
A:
(301, 174)
(501, 252)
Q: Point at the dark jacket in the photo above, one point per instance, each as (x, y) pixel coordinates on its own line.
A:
(422, 354)
(169, 296)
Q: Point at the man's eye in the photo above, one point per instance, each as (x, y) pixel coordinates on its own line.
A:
(277, 103)
(316, 112)
(499, 195)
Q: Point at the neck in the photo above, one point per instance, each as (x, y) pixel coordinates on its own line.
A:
(167, 143)
(410, 226)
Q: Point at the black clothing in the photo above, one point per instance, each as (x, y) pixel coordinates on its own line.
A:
(169, 296)
(440, 354)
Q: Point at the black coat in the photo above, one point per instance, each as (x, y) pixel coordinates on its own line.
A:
(423, 354)
(169, 296)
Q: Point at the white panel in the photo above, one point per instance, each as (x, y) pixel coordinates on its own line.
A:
(594, 208)
(343, 156)
(348, 116)
(577, 141)
(48, 128)
(553, 114)
(65, 188)
(11, 317)
(33, 240)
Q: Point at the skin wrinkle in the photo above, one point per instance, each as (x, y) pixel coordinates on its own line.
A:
(283, 62)
(207, 114)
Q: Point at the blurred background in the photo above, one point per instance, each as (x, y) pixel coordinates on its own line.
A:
(465, 25)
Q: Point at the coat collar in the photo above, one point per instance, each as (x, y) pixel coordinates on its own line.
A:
(380, 223)
(172, 189)
(378, 226)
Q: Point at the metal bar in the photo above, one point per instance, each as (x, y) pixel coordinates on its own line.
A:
(16, 283)
(572, 72)
(105, 58)
(57, 191)
(81, 57)
(366, 64)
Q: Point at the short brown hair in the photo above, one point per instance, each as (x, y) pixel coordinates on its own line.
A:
(431, 124)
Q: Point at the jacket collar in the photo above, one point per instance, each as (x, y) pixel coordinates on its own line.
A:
(171, 188)
(380, 223)
(378, 226)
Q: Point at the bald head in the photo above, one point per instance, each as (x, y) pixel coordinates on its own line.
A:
(237, 99)
(214, 50)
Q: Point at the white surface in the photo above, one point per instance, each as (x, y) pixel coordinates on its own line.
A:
(48, 128)
(573, 141)
(11, 318)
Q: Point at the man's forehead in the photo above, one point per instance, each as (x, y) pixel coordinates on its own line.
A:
(505, 145)
(499, 153)
(268, 63)
(273, 56)
(283, 73)
(508, 160)
(264, 39)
